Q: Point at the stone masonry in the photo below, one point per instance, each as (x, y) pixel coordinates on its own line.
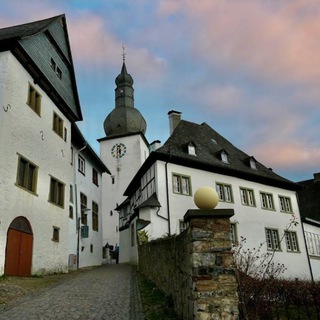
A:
(196, 267)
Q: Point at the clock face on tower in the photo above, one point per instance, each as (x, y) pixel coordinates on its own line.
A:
(118, 150)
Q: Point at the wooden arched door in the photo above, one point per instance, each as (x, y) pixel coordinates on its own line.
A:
(19, 248)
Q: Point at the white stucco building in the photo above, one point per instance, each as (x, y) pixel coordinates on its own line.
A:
(195, 155)
(39, 105)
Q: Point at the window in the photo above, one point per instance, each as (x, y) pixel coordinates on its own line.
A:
(233, 234)
(71, 212)
(53, 64)
(71, 162)
(95, 217)
(224, 192)
(59, 73)
(81, 165)
(313, 243)
(27, 175)
(95, 177)
(83, 201)
(285, 204)
(272, 238)
(224, 157)
(181, 184)
(34, 100)
(247, 197)
(191, 149)
(91, 248)
(56, 195)
(266, 201)
(182, 226)
(291, 241)
(112, 179)
(55, 234)
(71, 194)
(57, 125)
(253, 164)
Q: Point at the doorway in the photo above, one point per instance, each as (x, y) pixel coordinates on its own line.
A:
(19, 248)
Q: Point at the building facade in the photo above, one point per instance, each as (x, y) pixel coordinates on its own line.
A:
(39, 106)
(265, 204)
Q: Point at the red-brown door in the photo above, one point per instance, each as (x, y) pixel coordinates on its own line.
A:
(19, 248)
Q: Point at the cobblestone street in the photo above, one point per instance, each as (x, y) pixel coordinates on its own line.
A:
(106, 292)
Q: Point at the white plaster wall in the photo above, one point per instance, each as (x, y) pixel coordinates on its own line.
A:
(251, 221)
(23, 131)
(123, 169)
(83, 183)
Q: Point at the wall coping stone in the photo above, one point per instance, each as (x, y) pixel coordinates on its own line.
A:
(208, 213)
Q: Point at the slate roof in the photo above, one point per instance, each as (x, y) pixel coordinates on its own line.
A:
(25, 30)
(209, 144)
(309, 199)
(13, 38)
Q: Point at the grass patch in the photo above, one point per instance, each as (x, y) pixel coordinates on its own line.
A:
(156, 305)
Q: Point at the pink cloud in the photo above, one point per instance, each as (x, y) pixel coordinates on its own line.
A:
(287, 155)
(270, 40)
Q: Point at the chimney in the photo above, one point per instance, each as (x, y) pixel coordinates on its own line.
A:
(154, 145)
(316, 177)
(174, 119)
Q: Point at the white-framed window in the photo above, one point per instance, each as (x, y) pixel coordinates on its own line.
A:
(247, 197)
(224, 157)
(313, 243)
(224, 192)
(266, 201)
(81, 165)
(181, 184)
(272, 239)
(291, 241)
(285, 204)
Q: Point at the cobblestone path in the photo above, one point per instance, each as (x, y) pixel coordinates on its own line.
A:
(103, 293)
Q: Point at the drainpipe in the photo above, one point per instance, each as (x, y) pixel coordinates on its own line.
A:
(76, 202)
(168, 204)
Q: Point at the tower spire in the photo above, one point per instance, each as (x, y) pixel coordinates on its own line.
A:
(123, 53)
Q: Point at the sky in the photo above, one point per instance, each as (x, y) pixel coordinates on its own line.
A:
(250, 69)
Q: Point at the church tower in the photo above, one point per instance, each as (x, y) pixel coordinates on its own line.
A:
(124, 149)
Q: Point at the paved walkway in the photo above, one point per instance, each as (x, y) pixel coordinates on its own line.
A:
(104, 293)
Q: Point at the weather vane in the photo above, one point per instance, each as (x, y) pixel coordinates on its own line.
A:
(123, 53)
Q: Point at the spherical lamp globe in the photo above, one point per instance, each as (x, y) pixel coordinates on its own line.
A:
(206, 198)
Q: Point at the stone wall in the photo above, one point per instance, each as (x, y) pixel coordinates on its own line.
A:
(196, 267)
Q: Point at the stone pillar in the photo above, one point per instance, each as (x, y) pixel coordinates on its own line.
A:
(214, 283)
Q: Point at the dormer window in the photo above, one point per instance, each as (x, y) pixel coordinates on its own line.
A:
(191, 149)
(253, 164)
(224, 157)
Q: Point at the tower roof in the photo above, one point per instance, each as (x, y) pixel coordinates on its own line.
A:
(124, 118)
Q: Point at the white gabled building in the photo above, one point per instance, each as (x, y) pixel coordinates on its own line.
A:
(39, 102)
(195, 155)
(39, 142)
(85, 203)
